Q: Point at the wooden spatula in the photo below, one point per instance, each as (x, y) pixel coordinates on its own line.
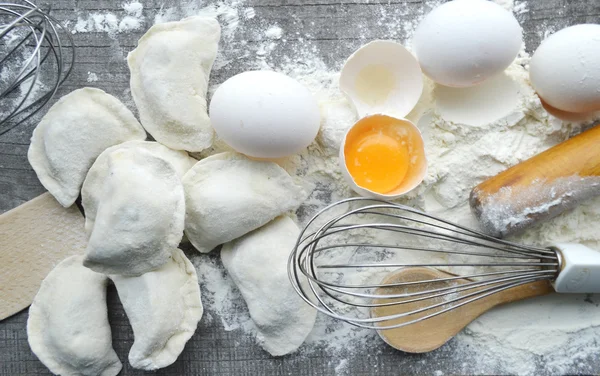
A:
(432, 333)
(34, 237)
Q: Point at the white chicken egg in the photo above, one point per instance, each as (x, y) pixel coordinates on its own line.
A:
(463, 42)
(565, 69)
(265, 114)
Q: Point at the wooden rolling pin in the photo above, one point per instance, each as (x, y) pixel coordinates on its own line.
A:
(541, 187)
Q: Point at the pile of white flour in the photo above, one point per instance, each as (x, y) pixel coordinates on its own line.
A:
(555, 333)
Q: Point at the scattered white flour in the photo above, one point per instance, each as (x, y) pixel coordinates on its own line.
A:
(134, 8)
(92, 77)
(129, 23)
(220, 293)
(274, 32)
(520, 8)
(229, 13)
(110, 23)
(555, 334)
(13, 69)
(507, 4)
(342, 367)
(516, 6)
(249, 13)
(134, 19)
(99, 22)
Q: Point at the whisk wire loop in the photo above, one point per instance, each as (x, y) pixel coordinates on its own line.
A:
(42, 60)
(471, 265)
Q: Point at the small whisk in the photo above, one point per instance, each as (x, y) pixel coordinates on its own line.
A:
(332, 268)
(34, 61)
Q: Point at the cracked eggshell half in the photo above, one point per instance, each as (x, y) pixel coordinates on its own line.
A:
(383, 157)
(382, 77)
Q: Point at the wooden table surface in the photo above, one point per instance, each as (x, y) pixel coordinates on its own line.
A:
(331, 27)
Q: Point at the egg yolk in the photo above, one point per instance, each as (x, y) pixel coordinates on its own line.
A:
(377, 156)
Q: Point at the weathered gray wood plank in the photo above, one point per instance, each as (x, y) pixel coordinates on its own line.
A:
(331, 26)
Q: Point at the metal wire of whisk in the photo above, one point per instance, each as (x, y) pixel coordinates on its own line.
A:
(34, 61)
(344, 238)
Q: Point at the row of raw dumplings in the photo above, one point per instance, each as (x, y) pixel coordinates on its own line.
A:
(139, 198)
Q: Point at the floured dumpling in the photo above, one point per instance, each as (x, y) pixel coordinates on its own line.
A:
(169, 78)
(139, 213)
(68, 325)
(228, 195)
(90, 190)
(164, 308)
(79, 127)
(257, 263)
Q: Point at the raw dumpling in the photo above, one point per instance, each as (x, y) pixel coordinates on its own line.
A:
(90, 190)
(139, 213)
(228, 195)
(169, 78)
(257, 263)
(68, 325)
(79, 127)
(164, 308)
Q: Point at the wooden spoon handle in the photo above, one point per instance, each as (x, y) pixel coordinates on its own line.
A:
(432, 333)
(529, 290)
(541, 187)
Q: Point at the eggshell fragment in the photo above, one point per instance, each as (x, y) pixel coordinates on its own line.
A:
(478, 105)
(382, 77)
(418, 161)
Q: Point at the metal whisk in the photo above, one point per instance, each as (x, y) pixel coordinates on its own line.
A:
(34, 61)
(332, 268)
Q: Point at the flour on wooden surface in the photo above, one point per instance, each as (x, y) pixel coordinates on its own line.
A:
(249, 13)
(92, 77)
(516, 6)
(12, 68)
(129, 19)
(342, 367)
(555, 333)
(518, 338)
(229, 14)
(274, 32)
(134, 8)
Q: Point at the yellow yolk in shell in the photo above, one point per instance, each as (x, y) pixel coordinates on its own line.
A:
(377, 155)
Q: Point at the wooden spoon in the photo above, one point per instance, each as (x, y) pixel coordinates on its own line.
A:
(432, 333)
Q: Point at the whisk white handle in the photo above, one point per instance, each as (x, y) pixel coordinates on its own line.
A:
(580, 269)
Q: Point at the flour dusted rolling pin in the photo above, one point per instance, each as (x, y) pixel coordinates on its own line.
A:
(541, 187)
(34, 237)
